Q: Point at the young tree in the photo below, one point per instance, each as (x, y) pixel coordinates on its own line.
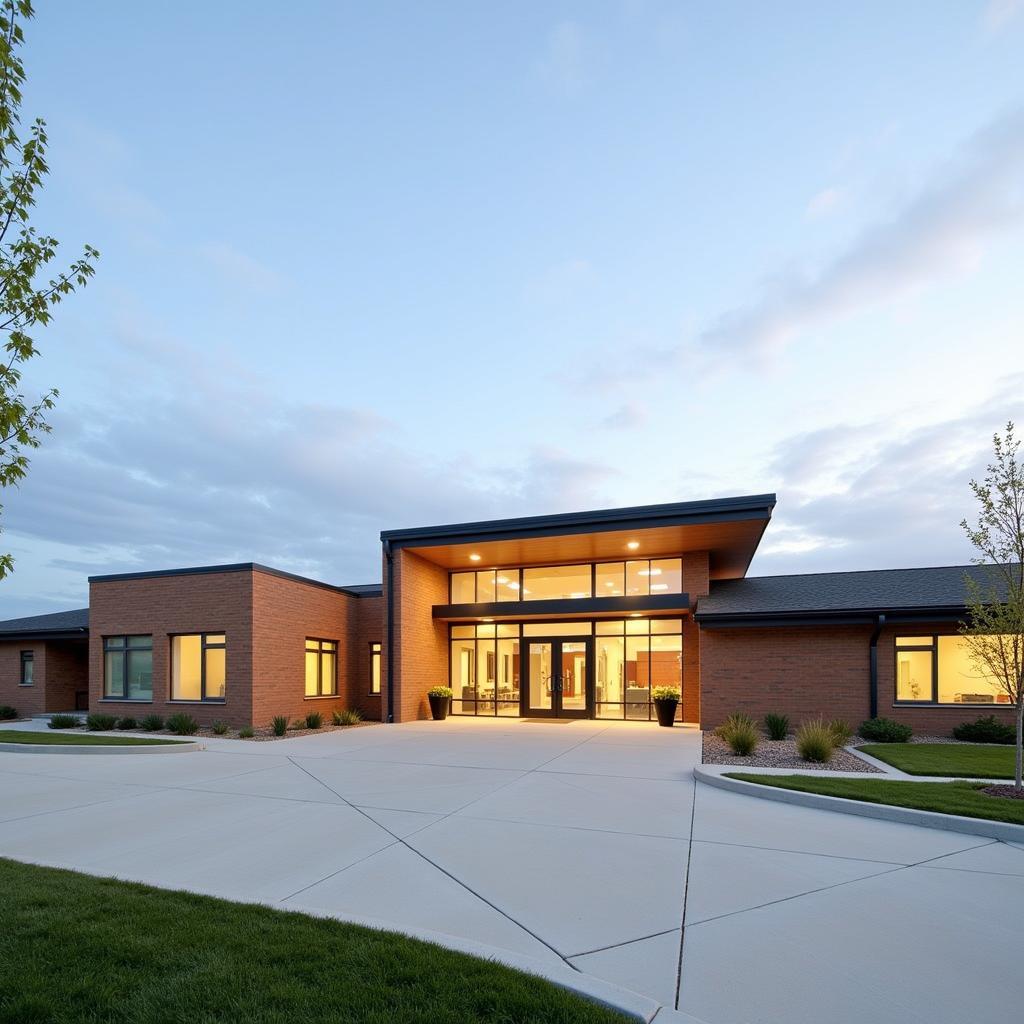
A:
(994, 630)
(26, 300)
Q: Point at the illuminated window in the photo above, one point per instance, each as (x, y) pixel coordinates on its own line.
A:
(28, 659)
(941, 670)
(128, 667)
(556, 582)
(375, 668)
(321, 667)
(198, 666)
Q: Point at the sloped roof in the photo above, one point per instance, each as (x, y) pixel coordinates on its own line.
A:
(74, 621)
(832, 593)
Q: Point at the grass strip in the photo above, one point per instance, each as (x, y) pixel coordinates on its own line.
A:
(963, 798)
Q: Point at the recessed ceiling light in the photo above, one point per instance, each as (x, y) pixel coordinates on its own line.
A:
(503, 579)
(659, 586)
(515, 586)
(609, 583)
(633, 545)
(487, 620)
(635, 615)
(474, 558)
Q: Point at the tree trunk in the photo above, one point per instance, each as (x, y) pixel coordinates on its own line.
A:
(1020, 740)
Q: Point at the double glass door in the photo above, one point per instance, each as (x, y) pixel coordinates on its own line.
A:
(558, 682)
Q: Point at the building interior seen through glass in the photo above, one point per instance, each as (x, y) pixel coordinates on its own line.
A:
(628, 657)
(636, 578)
(941, 668)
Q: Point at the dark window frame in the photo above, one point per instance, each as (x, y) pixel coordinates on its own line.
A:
(203, 647)
(111, 647)
(933, 649)
(27, 658)
(522, 638)
(376, 651)
(319, 650)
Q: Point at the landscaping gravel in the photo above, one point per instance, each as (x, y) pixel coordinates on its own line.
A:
(780, 754)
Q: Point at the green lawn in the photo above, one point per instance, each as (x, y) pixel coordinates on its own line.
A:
(81, 949)
(71, 739)
(947, 797)
(966, 760)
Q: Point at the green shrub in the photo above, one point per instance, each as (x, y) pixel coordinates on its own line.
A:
(314, 720)
(127, 723)
(841, 731)
(219, 727)
(986, 730)
(815, 741)
(350, 716)
(740, 732)
(152, 723)
(246, 732)
(279, 725)
(63, 721)
(182, 725)
(100, 723)
(665, 693)
(884, 730)
(777, 726)
(439, 691)
(7, 713)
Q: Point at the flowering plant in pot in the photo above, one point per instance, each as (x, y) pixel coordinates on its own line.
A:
(666, 700)
(440, 698)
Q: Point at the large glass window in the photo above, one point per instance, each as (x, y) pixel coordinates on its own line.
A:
(128, 667)
(940, 669)
(198, 666)
(375, 668)
(321, 667)
(556, 582)
(635, 578)
(630, 657)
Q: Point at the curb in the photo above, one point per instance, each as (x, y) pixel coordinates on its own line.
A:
(99, 748)
(1003, 830)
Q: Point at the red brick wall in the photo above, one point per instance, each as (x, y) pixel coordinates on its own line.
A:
(934, 721)
(285, 613)
(421, 645)
(60, 668)
(806, 671)
(696, 566)
(67, 673)
(163, 605)
(369, 615)
(801, 672)
(26, 700)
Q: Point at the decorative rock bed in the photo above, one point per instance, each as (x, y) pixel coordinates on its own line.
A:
(780, 754)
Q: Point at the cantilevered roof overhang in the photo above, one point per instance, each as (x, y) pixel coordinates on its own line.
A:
(729, 529)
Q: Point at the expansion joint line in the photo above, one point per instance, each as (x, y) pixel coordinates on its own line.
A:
(686, 892)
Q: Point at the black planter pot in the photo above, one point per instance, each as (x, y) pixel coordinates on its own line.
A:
(666, 711)
(439, 707)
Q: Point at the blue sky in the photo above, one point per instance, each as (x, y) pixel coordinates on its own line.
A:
(381, 265)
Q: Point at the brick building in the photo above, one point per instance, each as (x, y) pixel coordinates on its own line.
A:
(574, 615)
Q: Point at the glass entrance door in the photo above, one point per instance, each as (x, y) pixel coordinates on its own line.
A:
(557, 678)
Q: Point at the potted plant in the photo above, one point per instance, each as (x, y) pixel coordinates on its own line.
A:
(440, 698)
(666, 700)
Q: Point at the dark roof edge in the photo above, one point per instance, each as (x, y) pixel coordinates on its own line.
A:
(709, 510)
(43, 634)
(205, 570)
(830, 616)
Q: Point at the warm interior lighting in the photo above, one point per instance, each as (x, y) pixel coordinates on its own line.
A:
(474, 558)
(514, 586)
(659, 586)
(503, 579)
(635, 615)
(487, 620)
(633, 545)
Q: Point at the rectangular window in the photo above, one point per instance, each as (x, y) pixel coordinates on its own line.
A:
(556, 582)
(198, 666)
(27, 668)
(321, 667)
(941, 670)
(463, 587)
(128, 667)
(374, 668)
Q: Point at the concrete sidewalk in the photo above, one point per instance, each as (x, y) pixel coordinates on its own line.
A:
(581, 844)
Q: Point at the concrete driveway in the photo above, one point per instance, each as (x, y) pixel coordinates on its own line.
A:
(580, 843)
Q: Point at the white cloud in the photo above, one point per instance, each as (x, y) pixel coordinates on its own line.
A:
(563, 62)
(239, 268)
(824, 202)
(999, 13)
(943, 229)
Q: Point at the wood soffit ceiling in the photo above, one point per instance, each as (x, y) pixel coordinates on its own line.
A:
(731, 546)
